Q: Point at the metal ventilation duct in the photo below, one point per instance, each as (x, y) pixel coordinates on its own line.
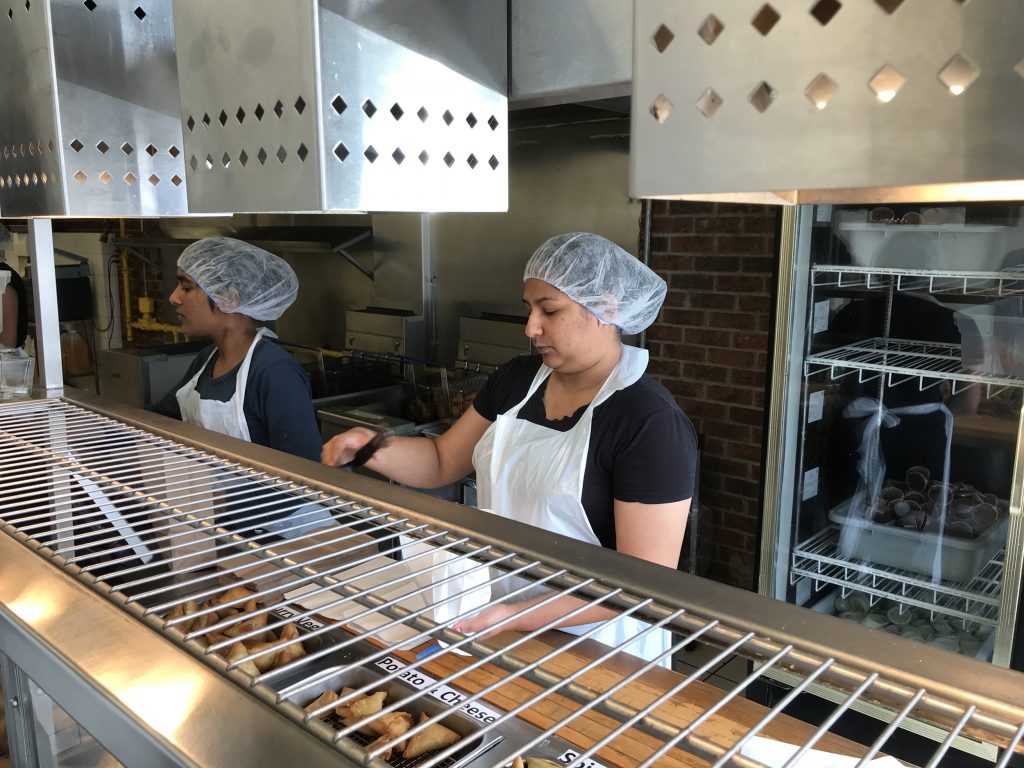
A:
(341, 105)
(91, 123)
(827, 101)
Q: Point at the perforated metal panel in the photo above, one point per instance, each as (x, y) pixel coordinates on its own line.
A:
(91, 123)
(339, 106)
(817, 99)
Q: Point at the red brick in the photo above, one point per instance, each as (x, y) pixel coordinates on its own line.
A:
(736, 208)
(693, 244)
(743, 244)
(686, 352)
(704, 410)
(659, 207)
(705, 372)
(660, 244)
(758, 225)
(735, 395)
(725, 502)
(673, 225)
(717, 264)
(662, 332)
(759, 304)
(740, 284)
(732, 358)
(691, 206)
(743, 451)
(691, 281)
(685, 391)
(750, 341)
(663, 368)
(714, 301)
(751, 416)
(735, 320)
(669, 262)
(750, 378)
(708, 338)
(729, 225)
(690, 317)
(752, 264)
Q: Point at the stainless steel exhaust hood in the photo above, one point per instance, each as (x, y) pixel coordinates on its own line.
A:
(90, 121)
(344, 105)
(802, 101)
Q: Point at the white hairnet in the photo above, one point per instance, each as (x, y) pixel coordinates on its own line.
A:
(240, 277)
(615, 286)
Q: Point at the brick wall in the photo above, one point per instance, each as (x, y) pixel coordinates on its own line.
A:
(710, 349)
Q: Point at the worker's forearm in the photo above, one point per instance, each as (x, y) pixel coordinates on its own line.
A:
(411, 461)
(541, 616)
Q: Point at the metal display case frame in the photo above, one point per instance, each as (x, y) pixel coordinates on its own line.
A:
(56, 617)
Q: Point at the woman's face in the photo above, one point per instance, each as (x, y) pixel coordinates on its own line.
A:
(567, 336)
(192, 304)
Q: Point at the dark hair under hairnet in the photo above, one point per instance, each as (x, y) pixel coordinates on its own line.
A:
(240, 277)
(592, 271)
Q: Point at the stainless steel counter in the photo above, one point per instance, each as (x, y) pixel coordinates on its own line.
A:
(113, 653)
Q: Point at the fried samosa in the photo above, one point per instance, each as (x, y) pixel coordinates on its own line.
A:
(390, 726)
(430, 739)
(327, 697)
(239, 651)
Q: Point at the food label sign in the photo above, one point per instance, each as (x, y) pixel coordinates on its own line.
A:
(447, 694)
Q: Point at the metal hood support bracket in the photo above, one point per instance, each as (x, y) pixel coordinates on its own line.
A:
(828, 101)
(344, 105)
(91, 123)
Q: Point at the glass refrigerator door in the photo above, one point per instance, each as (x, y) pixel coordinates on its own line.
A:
(899, 482)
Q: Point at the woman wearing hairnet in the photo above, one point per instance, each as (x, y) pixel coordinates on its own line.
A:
(577, 439)
(240, 386)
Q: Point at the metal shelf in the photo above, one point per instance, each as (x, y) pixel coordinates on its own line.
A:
(950, 282)
(903, 360)
(975, 601)
(91, 495)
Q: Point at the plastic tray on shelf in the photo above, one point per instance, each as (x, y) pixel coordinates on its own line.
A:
(992, 336)
(916, 551)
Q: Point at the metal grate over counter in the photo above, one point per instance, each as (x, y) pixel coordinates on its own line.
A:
(190, 540)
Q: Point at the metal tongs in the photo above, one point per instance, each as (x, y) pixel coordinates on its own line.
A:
(365, 453)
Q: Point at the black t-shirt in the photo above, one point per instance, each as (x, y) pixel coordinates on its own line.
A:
(643, 448)
(278, 406)
(18, 286)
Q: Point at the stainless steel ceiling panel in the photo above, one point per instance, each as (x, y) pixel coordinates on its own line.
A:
(371, 106)
(103, 100)
(243, 67)
(569, 51)
(817, 100)
(30, 177)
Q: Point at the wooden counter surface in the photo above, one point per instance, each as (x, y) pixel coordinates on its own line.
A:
(726, 727)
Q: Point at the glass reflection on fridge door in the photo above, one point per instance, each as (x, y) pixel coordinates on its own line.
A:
(904, 420)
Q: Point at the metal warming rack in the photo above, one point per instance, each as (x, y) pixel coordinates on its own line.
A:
(119, 503)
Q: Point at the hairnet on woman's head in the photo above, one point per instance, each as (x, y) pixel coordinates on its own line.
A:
(240, 277)
(614, 285)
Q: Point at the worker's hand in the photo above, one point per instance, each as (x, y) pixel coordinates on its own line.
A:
(480, 624)
(342, 448)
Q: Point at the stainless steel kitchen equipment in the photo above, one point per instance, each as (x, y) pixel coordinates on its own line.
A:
(385, 331)
(897, 391)
(91, 124)
(492, 339)
(141, 376)
(336, 105)
(807, 101)
(159, 687)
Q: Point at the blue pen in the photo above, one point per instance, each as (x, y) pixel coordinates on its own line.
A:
(428, 651)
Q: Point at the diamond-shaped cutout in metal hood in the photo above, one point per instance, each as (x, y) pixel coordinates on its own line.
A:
(338, 105)
(833, 102)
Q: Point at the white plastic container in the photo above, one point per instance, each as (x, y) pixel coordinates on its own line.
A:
(961, 559)
(992, 337)
(944, 247)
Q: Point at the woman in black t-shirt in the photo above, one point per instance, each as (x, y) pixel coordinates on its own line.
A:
(15, 310)
(578, 440)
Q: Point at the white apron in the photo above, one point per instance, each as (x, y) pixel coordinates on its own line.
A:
(228, 418)
(534, 475)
